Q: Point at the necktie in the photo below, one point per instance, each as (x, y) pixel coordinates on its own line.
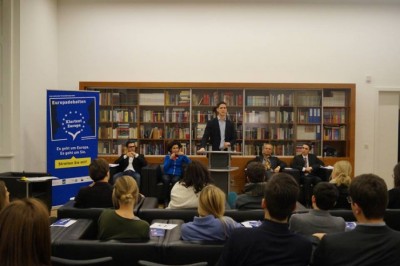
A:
(267, 164)
(305, 162)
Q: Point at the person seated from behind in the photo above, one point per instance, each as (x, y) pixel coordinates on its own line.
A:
(174, 162)
(130, 163)
(4, 195)
(254, 189)
(319, 220)
(271, 243)
(272, 163)
(99, 193)
(25, 233)
(210, 224)
(342, 179)
(394, 193)
(185, 193)
(122, 223)
(372, 242)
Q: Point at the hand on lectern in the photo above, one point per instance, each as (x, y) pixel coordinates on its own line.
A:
(202, 150)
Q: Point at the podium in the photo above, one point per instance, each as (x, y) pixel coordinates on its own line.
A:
(219, 165)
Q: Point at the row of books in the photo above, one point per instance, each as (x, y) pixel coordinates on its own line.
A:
(149, 116)
(177, 115)
(335, 133)
(120, 132)
(151, 132)
(116, 98)
(334, 98)
(151, 98)
(211, 99)
(177, 133)
(118, 115)
(334, 116)
(182, 98)
(310, 115)
(308, 132)
(308, 99)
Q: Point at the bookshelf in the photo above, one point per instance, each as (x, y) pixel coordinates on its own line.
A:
(284, 114)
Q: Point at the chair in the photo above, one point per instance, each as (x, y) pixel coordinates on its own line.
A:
(105, 261)
(149, 263)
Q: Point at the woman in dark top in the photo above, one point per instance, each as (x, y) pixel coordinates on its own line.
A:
(394, 193)
(342, 179)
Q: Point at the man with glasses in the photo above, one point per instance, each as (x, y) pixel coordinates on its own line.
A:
(130, 163)
(371, 242)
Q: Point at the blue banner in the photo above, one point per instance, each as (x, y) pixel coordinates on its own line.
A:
(72, 123)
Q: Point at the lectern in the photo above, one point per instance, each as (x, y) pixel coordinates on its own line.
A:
(219, 165)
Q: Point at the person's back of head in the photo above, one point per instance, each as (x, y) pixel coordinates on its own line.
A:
(211, 201)
(342, 173)
(4, 195)
(125, 191)
(25, 233)
(326, 195)
(281, 193)
(98, 169)
(369, 192)
(196, 175)
(396, 175)
(255, 172)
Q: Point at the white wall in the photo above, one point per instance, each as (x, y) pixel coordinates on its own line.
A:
(38, 72)
(221, 41)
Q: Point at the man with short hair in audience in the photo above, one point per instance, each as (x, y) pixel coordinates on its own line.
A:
(254, 189)
(271, 243)
(319, 220)
(372, 242)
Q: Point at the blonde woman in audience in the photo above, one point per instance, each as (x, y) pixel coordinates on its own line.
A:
(185, 193)
(341, 177)
(4, 195)
(25, 234)
(210, 224)
(122, 222)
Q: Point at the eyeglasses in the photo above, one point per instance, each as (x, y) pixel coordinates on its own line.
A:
(349, 199)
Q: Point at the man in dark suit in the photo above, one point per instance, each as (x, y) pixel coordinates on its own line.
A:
(308, 165)
(372, 242)
(130, 163)
(219, 131)
(272, 163)
(272, 243)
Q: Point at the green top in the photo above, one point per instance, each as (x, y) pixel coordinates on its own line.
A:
(113, 226)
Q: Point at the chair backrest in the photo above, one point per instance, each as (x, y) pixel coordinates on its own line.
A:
(149, 263)
(105, 261)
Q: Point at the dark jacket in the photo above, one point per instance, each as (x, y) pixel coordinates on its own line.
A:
(137, 163)
(213, 134)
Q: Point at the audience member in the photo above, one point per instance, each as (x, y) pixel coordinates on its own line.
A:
(219, 131)
(272, 163)
(25, 233)
(371, 242)
(174, 163)
(185, 193)
(394, 193)
(122, 222)
(319, 220)
(4, 195)
(130, 163)
(210, 224)
(99, 193)
(272, 243)
(254, 189)
(341, 177)
(308, 164)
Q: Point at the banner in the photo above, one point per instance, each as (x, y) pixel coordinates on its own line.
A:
(72, 123)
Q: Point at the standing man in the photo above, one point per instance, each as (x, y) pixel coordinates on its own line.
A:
(272, 163)
(219, 131)
(308, 164)
(130, 163)
(372, 242)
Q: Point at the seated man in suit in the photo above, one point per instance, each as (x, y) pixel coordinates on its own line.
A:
(272, 163)
(130, 163)
(271, 243)
(254, 189)
(372, 242)
(319, 220)
(308, 164)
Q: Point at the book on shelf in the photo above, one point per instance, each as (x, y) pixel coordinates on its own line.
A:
(334, 98)
(151, 99)
(307, 132)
